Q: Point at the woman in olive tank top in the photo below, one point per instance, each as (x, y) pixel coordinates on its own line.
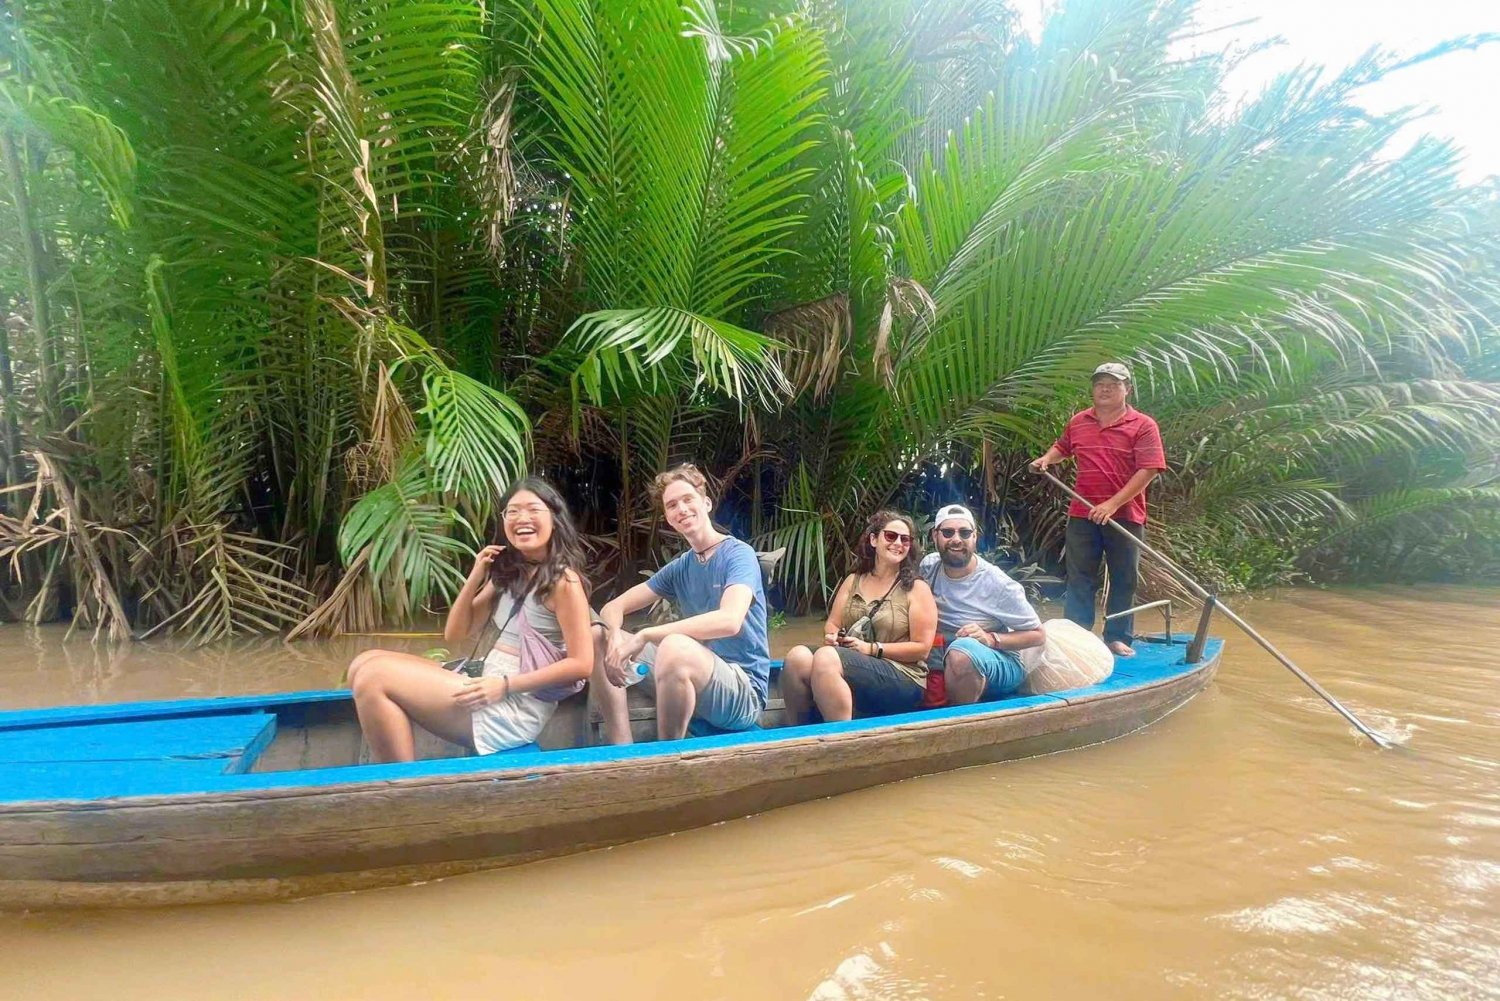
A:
(873, 661)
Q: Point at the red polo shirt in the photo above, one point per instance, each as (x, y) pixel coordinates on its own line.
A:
(1109, 456)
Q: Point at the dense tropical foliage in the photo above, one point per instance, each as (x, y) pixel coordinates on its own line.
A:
(293, 286)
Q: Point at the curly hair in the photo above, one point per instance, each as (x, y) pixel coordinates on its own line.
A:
(685, 472)
(906, 573)
(510, 572)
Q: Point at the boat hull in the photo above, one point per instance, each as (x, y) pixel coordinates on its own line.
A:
(281, 841)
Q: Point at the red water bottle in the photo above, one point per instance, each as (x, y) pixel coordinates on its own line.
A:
(937, 682)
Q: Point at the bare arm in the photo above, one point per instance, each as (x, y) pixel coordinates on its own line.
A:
(923, 626)
(475, 598)
(614, 611)
(726, 620)
(621, 646)
(1050, 458)
(468, 610)
(1023, 640)
(1020, 628)
(835, 620)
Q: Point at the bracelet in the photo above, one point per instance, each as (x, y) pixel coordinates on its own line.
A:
(880, 651)
(507, 688)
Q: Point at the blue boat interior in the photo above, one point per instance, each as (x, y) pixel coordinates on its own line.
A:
(297, 739)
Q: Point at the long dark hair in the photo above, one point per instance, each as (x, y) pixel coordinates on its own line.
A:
(906, 573)
(510, 572)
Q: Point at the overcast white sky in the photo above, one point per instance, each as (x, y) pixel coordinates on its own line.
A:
(1461, 91)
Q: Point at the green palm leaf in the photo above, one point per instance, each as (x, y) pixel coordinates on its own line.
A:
(409, 537)
(477, 436)
(626, 348)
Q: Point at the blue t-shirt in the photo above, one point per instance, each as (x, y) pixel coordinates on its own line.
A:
(699, 587)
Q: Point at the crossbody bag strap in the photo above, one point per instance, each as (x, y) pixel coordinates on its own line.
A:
(515, 609)
(874, 606)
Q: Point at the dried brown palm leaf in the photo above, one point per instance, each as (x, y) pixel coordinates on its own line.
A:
(498, 178)
(220, 583)
(99, 601)
(732, 474)
(817, 335)
(905, 299)
(350, 607)
(368, 464)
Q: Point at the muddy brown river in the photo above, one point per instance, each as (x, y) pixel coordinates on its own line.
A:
(1248, 846)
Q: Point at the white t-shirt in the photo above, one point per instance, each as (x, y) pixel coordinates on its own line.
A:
(987, 597)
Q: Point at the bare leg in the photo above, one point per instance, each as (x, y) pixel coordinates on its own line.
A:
(965, 683)
(609, 699)
(796, 684)
(683, 666)
(394, 690)
(835, 699)
(359, 661)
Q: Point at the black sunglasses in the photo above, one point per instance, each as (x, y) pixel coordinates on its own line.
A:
(891, 536)
(962, 533)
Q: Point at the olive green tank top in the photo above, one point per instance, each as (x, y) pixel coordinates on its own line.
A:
(892, 623)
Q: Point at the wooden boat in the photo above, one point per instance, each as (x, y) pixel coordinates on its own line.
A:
(261, 797)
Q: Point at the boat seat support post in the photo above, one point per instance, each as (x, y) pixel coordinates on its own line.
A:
(1200, 636)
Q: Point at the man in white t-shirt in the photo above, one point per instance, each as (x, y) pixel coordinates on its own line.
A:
(983, 615)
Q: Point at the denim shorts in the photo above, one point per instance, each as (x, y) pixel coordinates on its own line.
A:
(879, 688)
(1002, 671)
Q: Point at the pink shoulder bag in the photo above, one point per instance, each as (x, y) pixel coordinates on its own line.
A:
(537, 651)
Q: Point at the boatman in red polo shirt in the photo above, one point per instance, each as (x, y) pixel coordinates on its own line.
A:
(1119, 452)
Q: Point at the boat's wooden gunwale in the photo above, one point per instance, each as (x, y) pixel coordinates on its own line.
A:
(287, 842)
(691, 750)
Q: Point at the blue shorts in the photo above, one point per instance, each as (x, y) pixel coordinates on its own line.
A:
(1002, 671)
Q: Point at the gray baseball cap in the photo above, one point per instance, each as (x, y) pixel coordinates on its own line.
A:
(1114, 370)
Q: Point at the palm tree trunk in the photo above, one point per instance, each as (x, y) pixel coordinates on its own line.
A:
(627, 558)
(31, 245)
(756, 501)
(9, 423)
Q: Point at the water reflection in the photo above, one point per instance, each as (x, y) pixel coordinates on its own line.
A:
(42, 667)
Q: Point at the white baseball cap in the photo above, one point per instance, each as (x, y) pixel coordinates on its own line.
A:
(1114, 370)
(953, 511)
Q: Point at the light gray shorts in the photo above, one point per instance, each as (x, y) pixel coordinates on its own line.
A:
(728, 701)
(514, 721)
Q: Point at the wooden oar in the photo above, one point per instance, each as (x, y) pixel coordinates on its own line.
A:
(1380, 740)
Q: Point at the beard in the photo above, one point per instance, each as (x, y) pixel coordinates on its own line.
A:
(956, 558)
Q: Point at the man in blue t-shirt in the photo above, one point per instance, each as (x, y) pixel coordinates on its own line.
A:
(714, 663)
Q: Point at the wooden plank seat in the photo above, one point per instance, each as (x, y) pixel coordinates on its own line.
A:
(643, 716)
(186, 753)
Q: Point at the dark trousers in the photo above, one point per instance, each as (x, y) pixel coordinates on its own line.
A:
(1088, 543)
